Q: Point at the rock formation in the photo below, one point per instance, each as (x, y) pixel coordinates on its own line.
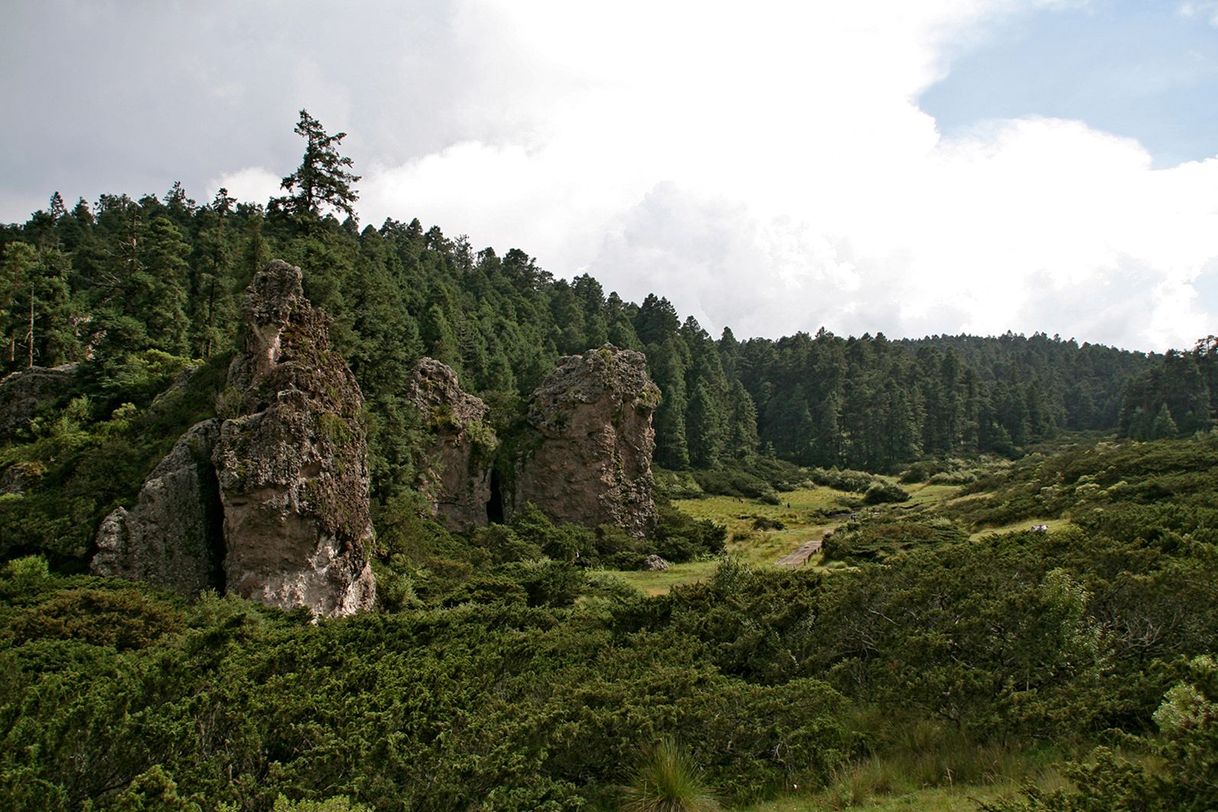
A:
(292, 462)
(455, 477)
(171, 537)
(24, 392)
(591, 463)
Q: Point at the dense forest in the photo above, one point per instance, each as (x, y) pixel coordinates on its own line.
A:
(1016, 588)
(121, 276)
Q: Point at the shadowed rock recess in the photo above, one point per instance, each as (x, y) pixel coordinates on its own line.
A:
(171, 537)
(455, 477)
(591, 460)
(272, 502)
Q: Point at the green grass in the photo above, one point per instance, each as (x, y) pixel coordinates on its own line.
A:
(666, 780)
(804, 514)
(1024, 524)
(938, 774)
(939, 799)
(658, 583)
(926, 494)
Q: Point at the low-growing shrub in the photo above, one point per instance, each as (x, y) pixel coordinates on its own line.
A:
(679, 537)
(877, 541)
(882, 492)
(842, 479)
(766, 523)
(733, 482)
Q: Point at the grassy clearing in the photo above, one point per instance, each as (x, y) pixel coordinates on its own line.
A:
(939, 799)
(926, 494)
(930, 772)
(658, 583)
(1025, 524)
(802, 514)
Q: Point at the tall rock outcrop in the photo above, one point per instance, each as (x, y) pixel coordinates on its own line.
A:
(172, 536)
(455, 475)
(292, 461)
(591, 463)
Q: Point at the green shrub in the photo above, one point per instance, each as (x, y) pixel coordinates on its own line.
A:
(666, 780)
(733, 482)
(883, 492)
(679, 537)
(842, 479)
(877, 541)
(766, 523)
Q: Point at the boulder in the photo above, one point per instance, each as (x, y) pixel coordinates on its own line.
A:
(654, 563)
(25, 392)
(455, 474)
(171, 537)
(291, 459)
(590, 461)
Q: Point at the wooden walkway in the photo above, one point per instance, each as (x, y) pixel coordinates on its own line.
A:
(801, 554)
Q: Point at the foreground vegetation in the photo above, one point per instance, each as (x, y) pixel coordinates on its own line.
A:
(924, 664)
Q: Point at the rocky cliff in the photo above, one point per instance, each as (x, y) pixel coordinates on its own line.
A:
(591, 460)
(24, 392)
(455, 474)
(172, 536)
(291, 459)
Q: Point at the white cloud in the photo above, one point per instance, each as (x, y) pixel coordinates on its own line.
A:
(253, 184)
(769, 168)
(765, 166)
(1205, 9)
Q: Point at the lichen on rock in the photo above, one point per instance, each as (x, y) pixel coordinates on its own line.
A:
(455, 471)
(591, 461)
(292, 464)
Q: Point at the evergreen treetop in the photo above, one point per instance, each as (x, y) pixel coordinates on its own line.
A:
(323, 177)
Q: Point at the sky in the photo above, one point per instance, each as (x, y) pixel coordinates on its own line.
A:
(911, 168)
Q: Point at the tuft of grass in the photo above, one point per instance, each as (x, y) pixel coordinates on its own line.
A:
(666, 780)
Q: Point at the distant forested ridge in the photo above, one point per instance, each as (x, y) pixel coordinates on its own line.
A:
(101, 281)
(1175, 397)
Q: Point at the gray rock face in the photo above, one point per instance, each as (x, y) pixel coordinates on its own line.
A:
(592, 461)
(655, 563)
(292, 462)
(24, 392)
(170, 537)
(455, 477)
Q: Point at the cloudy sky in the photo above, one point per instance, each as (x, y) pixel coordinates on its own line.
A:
(921, 167)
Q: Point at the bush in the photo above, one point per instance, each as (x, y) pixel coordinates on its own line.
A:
(666, 780)
(679, 537)
(883, 492)
(734, 482)
(676, 484)
(842, 479)
(878, 541)
(766, 523)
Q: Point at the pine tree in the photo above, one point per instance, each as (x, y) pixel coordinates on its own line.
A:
(668, 371)
(740, 441)
(323, 178)
(159, 292)
(704, 428)
(1163, 426)
(35, 307)
(17, 302)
